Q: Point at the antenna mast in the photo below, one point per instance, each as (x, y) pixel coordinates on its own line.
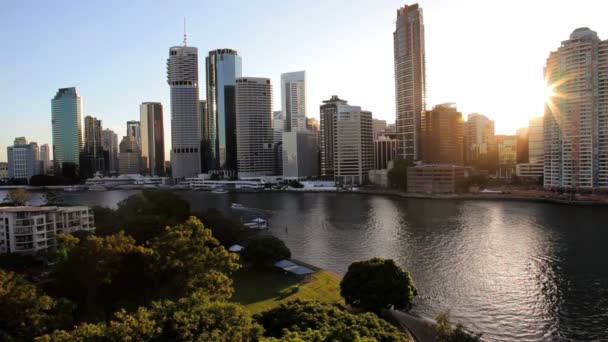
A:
(185, 36)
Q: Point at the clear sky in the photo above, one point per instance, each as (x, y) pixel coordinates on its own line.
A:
(485, 55)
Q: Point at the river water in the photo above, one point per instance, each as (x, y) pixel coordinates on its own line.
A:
(515, 271)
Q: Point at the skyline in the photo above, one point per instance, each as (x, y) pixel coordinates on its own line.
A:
(136, 46)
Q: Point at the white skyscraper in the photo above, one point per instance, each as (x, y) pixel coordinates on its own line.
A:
(576, 118)
(293, 100)
(353, 145)
(254, 133)
(23, 162)
(182, 77)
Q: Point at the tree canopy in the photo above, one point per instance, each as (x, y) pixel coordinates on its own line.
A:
(397, 176)
(227, 231)
(447, 333)
(264, 250)
(377, 284)
(18, 197)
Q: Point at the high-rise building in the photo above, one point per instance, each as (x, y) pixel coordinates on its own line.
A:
(378, 126)
(109, 143)
(353, 145)
(522, 145)
(45, 159)
(92, 159)
(385, 150)
(223, 68)
(277, 133)
(182, 77)
(576, 118)
(293, 100)
(207, 127)
(23, 162)
(152, 138)
(134, 130)
(442, 130)
(479, 142)
(328, 111)
(410, 79)
(534, 168)
(66, 113)
(129, 158)
(507, 155)
(300, 154)
(254, 133)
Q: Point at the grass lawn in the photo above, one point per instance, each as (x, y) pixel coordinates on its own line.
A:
(263, 290)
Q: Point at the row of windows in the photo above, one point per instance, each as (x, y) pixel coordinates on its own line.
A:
(185, 150)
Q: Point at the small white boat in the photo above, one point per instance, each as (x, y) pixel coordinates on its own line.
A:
(258, 223)
(219, 191)
(72, 188)
(97, 187)
(236, 206)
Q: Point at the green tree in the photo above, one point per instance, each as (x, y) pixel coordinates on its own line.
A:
(27, 312)
(188, 257)
(264, 250)
(18, 197)
(227, 231)
(377, 284)
(447, 333)
(397, 176)
(315, 321)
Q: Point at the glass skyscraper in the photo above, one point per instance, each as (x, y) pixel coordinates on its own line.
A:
(223, 68)
(66, 119)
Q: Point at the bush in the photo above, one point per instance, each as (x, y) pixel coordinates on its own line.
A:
(264, 250)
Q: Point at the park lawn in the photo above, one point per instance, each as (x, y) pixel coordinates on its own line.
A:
(263, 290)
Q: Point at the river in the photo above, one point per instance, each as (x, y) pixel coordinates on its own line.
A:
(515, 271)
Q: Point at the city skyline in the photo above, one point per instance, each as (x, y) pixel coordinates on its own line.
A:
(142, 57)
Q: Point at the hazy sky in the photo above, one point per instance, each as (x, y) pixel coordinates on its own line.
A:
(485, 55)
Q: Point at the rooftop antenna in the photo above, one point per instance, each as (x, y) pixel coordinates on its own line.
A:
(185, 36)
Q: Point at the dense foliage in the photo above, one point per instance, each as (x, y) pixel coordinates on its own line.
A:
(27, 312)
(18, 196)
(227, 231)
(397, 176)
(447, 333)
(377, 284)
(313, 321)
(264, 250)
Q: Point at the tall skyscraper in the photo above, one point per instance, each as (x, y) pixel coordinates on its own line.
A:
(254, 134)
(442, 131)
(353, 145)
(134, 130)
(223, 68)
(536, 146)
(479, 142)
(507, 155)
(207, 127)
(66, 119)
(328, 111)
(23, 160)
(92, 159)
(576, 118)
(129, 158)
(182, 77)
(109, 143)
(152, 138)
(278, 127)
(293, 100)
(45, 159)
(410, 79)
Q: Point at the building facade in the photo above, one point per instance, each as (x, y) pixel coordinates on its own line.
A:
(255, 136)
(27, 230)
(410, 79)
(435, 178)
(207, 162)
(353, 145)
(223, 67)
(182, 77)
(152, 138)
(129, 158)
(328, 113)
(385, 150)
(378, 126)
(134, 129)
(277, 133)
(92, 159)
(293, 100)
(442, 131)
(507, 155)
(300, 154)
(479, 142)
(534, 168)
(23, 159)
(66, 119)
(576, 118)
(3, 171)
(109, 143)
(45, 159)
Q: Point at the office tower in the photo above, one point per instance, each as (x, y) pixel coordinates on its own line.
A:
(66, 114)
(109, 143)
(378, 126)
(207, 127)
(300, 150)
(23, 162)
(129, 158)
(410, 79)
(293, 100)
(152, 138)
(507, 155)
(254, 133)
(277, 140)
(182, 77)
(442, 131)
(576, 118)
(353, 145)
(92, 159)
(45, 159)
(535, 165)
(479, 142)
(385, 150)
(328, 111)
(134, 130)
(223, 68)
(522, 145)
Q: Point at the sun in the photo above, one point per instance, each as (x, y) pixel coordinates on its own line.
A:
(549, 93)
